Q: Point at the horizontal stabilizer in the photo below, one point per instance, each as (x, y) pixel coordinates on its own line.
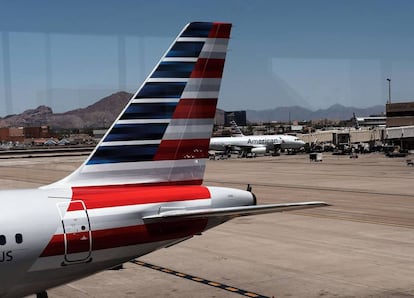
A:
(230, 212)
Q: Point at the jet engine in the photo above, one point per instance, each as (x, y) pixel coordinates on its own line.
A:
(259, 150)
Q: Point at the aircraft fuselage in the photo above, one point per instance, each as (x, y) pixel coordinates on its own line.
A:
(268, 141)
(73, 233)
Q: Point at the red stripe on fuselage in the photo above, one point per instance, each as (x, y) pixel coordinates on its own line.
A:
(55, 247)
(220, 30)
(75, 206)
(126, 236)
(123, 195)
(147, 233)
(208, 68)
(182, 149)
(195, 108)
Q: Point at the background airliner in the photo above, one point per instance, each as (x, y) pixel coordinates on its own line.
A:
(257, 144)
(140, 189)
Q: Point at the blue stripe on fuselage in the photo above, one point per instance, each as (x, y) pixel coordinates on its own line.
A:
(149, 111)
(174, 70)
(197, 30)
(161, 90)
(117, 154)
(130, 132)
(186, 49)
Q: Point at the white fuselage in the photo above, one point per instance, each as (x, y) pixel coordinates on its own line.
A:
(255, 141)
(49, 237)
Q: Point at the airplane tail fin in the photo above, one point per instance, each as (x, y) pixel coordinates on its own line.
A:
(235, 129)
(162, 136)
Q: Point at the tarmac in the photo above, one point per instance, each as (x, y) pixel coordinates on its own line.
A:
(360, 246)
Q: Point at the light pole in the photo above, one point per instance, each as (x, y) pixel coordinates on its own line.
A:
(389, 90)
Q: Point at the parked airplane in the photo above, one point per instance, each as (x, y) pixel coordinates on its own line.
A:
(140, 189)
(256, 144)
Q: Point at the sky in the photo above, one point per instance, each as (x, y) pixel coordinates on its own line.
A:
(314, 54)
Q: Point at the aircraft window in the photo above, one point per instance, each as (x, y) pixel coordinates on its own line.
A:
(2, 240)
(19, 238)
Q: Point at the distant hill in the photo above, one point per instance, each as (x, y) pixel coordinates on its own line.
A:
(335, 112)
(99, 114)
(104, 112)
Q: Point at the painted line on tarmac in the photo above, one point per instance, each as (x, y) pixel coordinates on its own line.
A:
(200, 280)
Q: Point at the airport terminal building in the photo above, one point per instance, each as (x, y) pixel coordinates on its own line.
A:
(400, 124)
(400, 114)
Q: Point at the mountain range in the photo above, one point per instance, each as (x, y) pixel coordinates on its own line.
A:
(98, 115)
(103, 113)
(335, 112)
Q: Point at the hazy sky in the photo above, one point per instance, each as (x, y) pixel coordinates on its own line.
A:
(69, 54)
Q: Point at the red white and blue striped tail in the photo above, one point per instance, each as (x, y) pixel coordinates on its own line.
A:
(163, 134)
(235, 129)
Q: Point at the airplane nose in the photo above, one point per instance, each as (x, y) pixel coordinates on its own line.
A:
(222, 197)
